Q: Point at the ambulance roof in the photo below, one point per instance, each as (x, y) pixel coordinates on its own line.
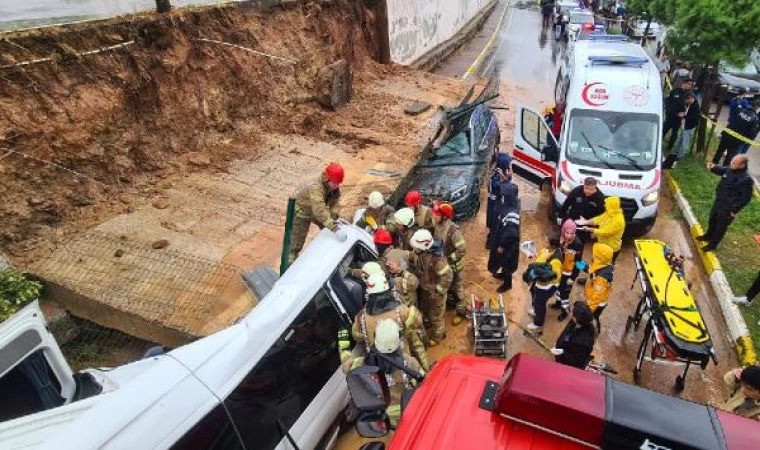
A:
(622, 71)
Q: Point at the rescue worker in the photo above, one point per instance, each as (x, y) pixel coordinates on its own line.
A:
(383, 243)
(543, 275)
(733, 193)
(376, 214)
(576, 342)
(318, 203)
(505, 249)
(599, 285)
(386, 341)
(454, 247)
(569, 252)
(404, 283)
(403, 227)
(611, 225)
(422, 215)
(367, 269)
(435, 274)
(744, 385)
(585, 200)
(501, 175)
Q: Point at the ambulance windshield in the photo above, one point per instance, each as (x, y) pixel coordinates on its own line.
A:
(581, 17)
(613, 140)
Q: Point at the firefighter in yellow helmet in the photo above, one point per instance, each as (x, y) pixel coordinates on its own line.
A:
(319, 203)
(455, 248)
(432, 268)
(599, 284)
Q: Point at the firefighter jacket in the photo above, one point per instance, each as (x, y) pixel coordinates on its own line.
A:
(315, 202)
(454, 246)
(375, 218)
(433, 270)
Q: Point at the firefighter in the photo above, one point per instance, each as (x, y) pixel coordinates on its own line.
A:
(505, 248)
(569, 252)
(611, 225)
(543, 277)
(502, 175)
(318, 203)
(383, 243)
(403, 227)
(435, 274)
(599, 285)
(455, 249)
(366, 270)
(386, 341)
(405, 284)
(376, 214)
(423, 217)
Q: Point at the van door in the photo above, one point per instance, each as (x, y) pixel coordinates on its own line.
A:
(34, 375)
(536, 151)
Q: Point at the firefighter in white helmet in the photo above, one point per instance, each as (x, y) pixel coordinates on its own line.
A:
(376, 214)
(402, 226)
(432, 268)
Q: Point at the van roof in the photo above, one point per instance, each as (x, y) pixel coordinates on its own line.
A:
(157, 406)
(614, 76)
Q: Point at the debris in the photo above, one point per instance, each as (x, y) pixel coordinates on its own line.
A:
(126, 199)
(334, 87)
(417, 108)
(198, 159)
(161, 203)
(159, 244)
(383, 173)
(36, 201)
(118, 253)
(82, 200)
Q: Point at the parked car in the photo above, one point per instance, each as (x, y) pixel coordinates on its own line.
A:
(639, 26)
(755, 57)
(455, 171)
(740, 80)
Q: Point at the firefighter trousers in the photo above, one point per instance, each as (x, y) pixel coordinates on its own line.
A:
(434, 311)
(298, 237)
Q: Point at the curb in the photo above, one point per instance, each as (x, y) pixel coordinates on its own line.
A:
(737, 327)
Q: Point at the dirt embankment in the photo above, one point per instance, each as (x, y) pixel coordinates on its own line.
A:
(166, 102)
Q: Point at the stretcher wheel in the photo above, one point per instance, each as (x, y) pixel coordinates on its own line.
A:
(680, 383)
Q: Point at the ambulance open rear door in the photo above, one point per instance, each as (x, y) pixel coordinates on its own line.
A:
(536, 151)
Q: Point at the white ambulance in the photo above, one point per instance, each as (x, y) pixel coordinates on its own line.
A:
(611, 130)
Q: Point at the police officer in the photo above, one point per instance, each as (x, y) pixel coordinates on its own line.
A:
(743, 121)
(504, 253)
(501, 175)
(454, 247)
(435, 274)
(733, 193)
(319, 203)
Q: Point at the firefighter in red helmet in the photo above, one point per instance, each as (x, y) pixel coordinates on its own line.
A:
(423, 217)
(318, 203)
(454, 247)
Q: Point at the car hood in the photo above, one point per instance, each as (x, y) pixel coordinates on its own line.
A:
(739, 81)
(437, 181)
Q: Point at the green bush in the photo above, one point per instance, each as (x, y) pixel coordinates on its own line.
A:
(15, 292)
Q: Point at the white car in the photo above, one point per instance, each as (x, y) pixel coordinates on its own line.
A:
(639, 26)
(755, 56)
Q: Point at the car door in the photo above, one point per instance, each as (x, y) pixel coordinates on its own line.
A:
(534, 145)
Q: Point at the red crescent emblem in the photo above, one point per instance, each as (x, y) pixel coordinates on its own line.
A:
(595, 94)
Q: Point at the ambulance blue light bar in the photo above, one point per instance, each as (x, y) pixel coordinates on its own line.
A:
(619, 59)
(608, 37)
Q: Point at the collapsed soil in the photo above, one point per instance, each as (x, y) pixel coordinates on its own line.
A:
(87, 137)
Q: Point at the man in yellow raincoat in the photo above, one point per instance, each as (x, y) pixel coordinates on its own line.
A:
(608, 227)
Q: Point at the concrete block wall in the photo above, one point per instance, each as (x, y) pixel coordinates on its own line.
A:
(418, 26)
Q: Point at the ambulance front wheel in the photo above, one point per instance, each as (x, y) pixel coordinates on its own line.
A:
(680, 383)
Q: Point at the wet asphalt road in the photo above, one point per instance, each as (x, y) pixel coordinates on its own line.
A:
(527, 58)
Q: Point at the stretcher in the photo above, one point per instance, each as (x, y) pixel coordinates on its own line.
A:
(673, 321)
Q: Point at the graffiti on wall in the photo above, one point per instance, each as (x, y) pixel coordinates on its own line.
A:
(418, 26)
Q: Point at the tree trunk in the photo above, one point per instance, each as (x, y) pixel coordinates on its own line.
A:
(163, 6)
(644, 39)
(711, 88)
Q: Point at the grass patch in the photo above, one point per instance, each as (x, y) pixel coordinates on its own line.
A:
(739, 254)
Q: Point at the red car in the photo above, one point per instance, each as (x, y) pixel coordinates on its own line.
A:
(529, 403)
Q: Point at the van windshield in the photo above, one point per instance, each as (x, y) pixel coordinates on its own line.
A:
(612, 139)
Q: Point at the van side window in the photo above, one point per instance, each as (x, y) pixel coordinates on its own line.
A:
(213, 432)
(530, 126)
(286, 380)
(30, 387)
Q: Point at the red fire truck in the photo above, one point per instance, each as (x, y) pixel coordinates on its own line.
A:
(475, 403)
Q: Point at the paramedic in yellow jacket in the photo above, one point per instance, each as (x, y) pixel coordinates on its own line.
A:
(317, 202)
(599, 284)
(543, 286)
(608, 227)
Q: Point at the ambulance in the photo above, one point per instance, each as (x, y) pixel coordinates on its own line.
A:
(610, 130)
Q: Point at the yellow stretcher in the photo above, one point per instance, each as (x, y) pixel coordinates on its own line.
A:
(674, 323)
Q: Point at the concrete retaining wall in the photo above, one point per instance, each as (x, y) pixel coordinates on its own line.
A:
(416, 27)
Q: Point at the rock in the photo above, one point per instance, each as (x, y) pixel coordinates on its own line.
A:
(198, 159)
(130, 209)
(82, 200)
(161, 203)
(123, 238)
(35, 201)
(126, 199)
(417, 108)
(125, 179)
(118, 253)
(159, 244)
(334, 85)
